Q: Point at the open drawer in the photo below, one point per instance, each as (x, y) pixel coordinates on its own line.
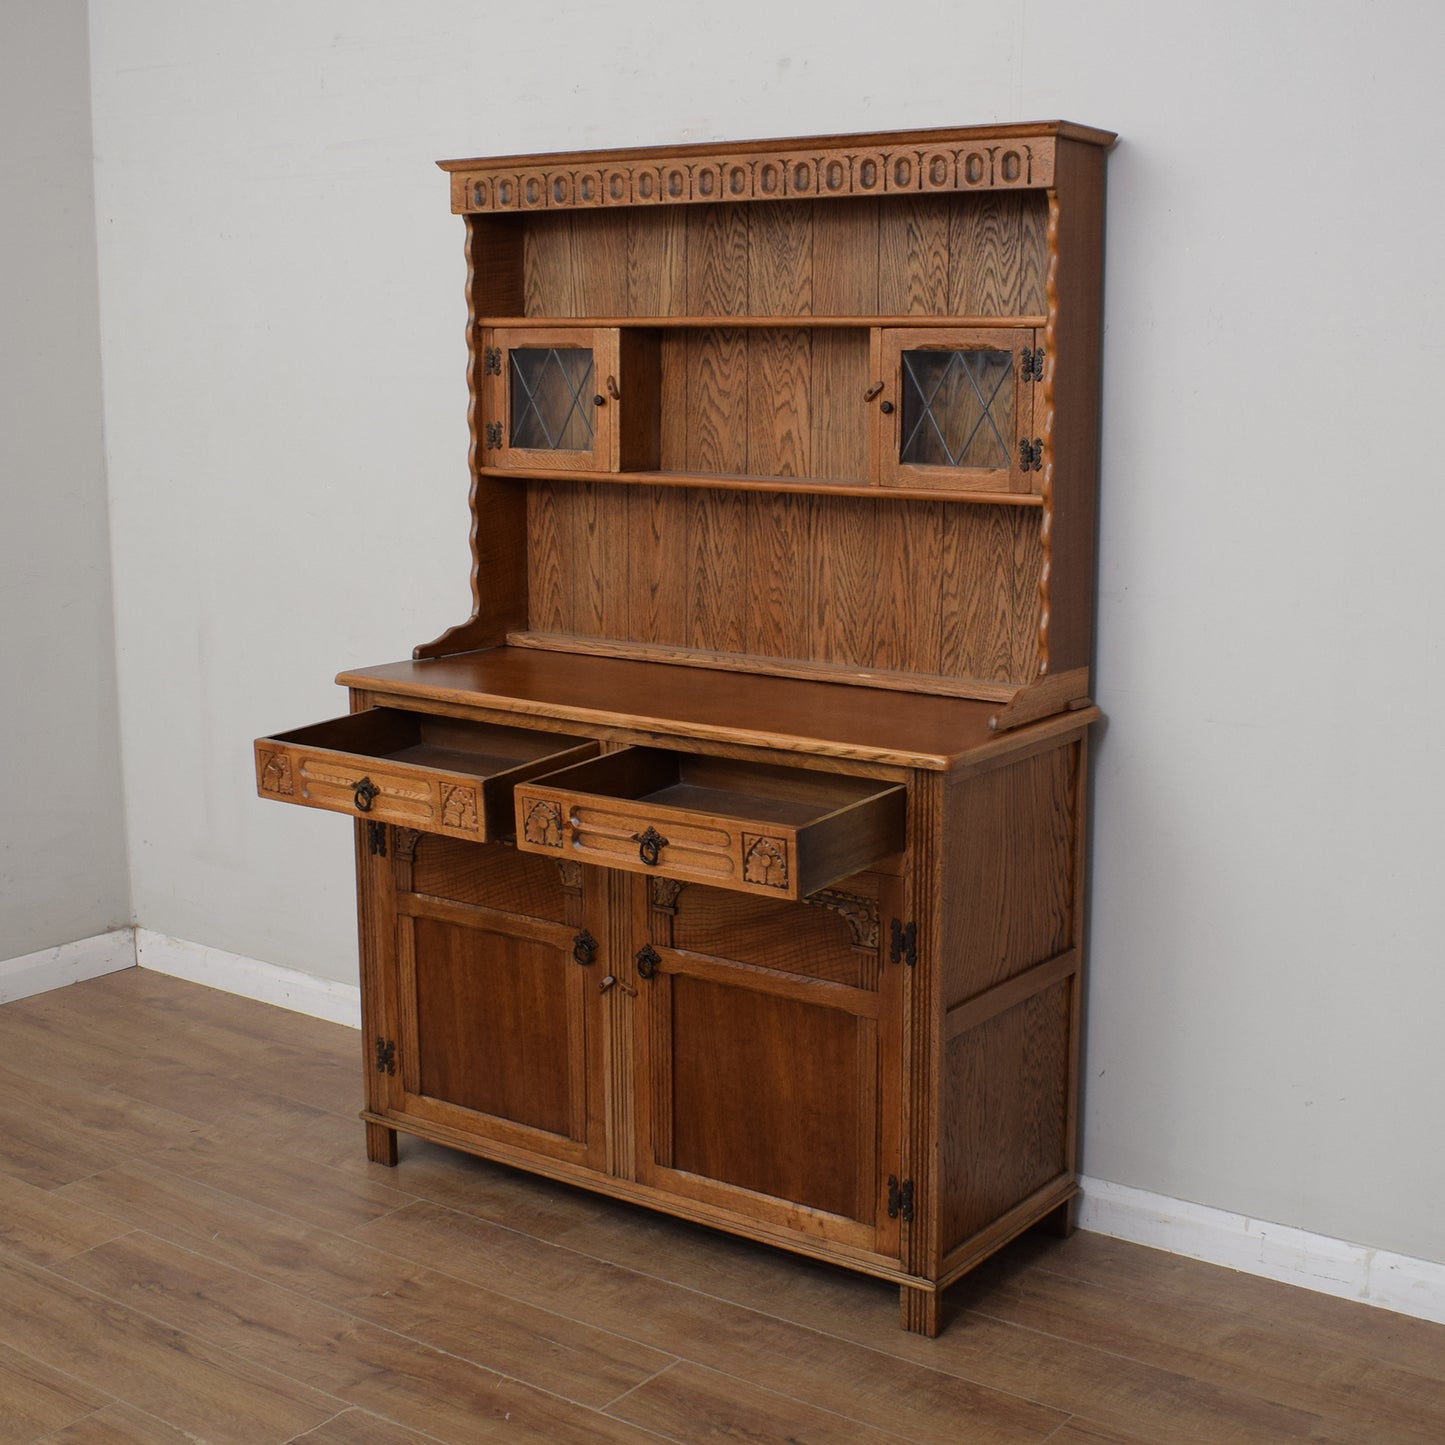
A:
(437, 774)
(783, 832)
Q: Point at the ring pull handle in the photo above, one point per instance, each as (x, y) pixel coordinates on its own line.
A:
(873, 391)
(612, 390)
(584, 949)
(649, 845)
(366, 793)
(647, 959)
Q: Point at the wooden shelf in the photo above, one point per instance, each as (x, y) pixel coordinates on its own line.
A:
(795, 322)
(724, 481)
(653, 700)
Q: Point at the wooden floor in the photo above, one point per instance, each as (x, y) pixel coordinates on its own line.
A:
(193, 1246)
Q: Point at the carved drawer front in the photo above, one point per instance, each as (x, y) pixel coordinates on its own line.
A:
(439, 775)
(779, 832)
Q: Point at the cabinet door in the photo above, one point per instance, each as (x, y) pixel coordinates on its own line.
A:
(495, 1007)
(957, 409)
(769, 1057)
(545, 401)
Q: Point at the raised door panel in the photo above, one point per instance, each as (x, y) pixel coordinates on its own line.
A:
(496, 1014)
(769, 1081)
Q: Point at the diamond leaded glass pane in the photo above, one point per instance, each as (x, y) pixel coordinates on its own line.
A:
(957, 409)
(551, 398)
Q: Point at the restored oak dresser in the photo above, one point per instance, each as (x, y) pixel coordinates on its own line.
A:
(729, 858)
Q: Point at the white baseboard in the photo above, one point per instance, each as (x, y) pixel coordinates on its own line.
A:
(67, 963)
(305, 993)
(1276, 1251)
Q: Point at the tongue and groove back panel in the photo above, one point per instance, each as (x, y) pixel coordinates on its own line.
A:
(943, 592)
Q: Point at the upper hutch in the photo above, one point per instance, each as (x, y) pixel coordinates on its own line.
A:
(728, 858)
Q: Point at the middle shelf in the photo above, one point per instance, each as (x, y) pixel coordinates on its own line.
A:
(954, 406)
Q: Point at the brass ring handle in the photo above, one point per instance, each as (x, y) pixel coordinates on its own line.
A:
(366, 793)
(649, 845)
(584, 949)
(647, 959)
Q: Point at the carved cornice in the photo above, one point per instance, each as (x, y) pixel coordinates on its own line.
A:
(698, 177)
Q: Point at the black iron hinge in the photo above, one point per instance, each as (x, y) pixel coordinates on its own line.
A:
(1031, 454)
(491, 361)
(493, 436)
(385, 1056)
(1033, 364)
(904, 945)
(376, 837)
(900, 1199)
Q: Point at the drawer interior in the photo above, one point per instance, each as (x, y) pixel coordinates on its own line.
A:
(449, 745)
(720, 787)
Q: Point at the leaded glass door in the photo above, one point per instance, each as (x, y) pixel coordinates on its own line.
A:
(957, 409)
(548, 395)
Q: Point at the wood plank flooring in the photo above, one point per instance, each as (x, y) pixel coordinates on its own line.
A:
(194, 1247)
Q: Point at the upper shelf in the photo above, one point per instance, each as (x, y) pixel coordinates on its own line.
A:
(738, 482)
(800, 321)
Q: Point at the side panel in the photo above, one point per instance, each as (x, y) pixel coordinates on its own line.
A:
(1011, 971)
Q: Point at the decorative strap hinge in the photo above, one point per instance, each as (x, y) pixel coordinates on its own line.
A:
(1032, 368)
(385, 1056)
(903, 945)
(900, 1199)
(1031, 454)
(493, 438)
(492, 360)
(376, 838)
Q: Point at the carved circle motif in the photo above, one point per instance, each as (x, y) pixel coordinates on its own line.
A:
(459, 808)
(543, 825)
(835, 176)
(276, 776)
(765, 861)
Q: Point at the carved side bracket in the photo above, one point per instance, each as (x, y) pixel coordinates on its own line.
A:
(663, 893)
(860, 914)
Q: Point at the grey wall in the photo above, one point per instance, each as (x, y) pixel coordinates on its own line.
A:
(286, 403)
(62, 830)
